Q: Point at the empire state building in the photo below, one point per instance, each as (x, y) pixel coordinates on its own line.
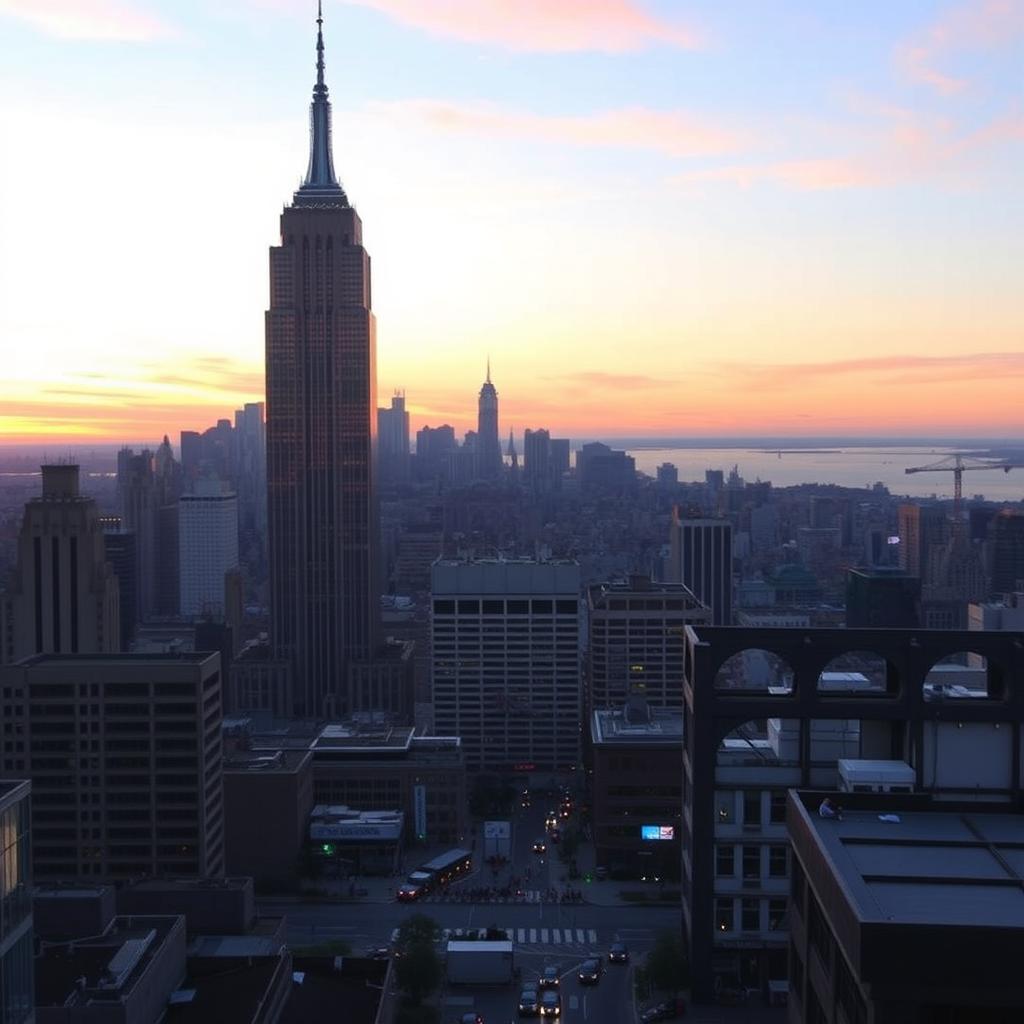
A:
(322, 512)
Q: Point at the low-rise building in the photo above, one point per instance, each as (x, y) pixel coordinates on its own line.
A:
(636, 789)
(904, 908)
(16, 983)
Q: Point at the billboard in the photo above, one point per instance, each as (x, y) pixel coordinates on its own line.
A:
(657, 832)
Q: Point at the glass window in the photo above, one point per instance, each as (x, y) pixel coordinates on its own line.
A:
(725, 861)
(444, 607)
(752, 807)
(724, 915)
(724, 808)
(778, 858)
(751, 862)
(751, 915)
(776, 915)
(778, 810)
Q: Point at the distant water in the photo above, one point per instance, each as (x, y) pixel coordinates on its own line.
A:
(848, 467)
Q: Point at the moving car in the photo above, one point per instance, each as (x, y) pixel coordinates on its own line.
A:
(539, 846)
(529, 1003)
(551, 820)
(589, 972)
(471, 1018)
(549, 978)
(551, 1004)
(618, 953)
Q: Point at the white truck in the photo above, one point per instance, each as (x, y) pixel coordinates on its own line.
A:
(479, 963)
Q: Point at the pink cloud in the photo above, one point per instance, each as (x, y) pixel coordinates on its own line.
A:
(981, 25)
(547, 26)
(94, 20)
(675, 133)
(900, 147)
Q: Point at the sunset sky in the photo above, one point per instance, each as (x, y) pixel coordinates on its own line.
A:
(656, 216)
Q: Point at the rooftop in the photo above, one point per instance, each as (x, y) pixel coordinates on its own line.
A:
(638, 722)
(12, 790)
(923, 867)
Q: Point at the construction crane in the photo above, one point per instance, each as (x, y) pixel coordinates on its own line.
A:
(958, 465)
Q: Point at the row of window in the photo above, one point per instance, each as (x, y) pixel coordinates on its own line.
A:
(512, 606)
(754, 914)
(751, 859)
(752, 809)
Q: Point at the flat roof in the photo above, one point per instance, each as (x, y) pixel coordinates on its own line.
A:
(198, 657)
(664, 726)
(933, 867)
(12, 790)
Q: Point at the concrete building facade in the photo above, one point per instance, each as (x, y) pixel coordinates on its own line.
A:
(505, 662)
(124, 754)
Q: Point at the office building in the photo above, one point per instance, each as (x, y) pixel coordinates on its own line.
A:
(1006, 552)
(923, 532)
(537, 468)
(667, 476)
(882, 599)
(433, 446)
(63, 597)
(505, 661)
(700, 557)
(251, 477)
(603, 469)
(208, 531)
(323, 516)
(367, 763)
(906, 909)
(635, 642)
(137, 504)
(637, 763)
(124, 754)
(797, 722)
(16, 943)
(489, 462)
(119, 550)
(1007, 614)
(393, 441)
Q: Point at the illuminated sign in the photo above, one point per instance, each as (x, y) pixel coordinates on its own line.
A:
(657, 832)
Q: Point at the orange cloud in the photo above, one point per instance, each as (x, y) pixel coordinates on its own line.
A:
(981, 25)
(93, 20)
(562, 26)
(674, 133)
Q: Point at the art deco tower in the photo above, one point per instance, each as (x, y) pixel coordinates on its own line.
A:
(489, 461)
(323, 519)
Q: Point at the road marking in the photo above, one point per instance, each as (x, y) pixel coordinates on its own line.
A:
(533, 934)
(394, 935)
(574, 1002)
(579, 935)
(592, 935)
(522, 934)
(543, 935)
(556, 934)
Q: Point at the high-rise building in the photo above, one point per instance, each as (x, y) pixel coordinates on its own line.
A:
(136, 488)
(1006, 552)
(17, 996)
(119, 549)
(601, 468)
(537, 469)
(882, 598)
(488, 442)
(505, 662)
(393, 440)
(923, 531)
(433, 446)
(64, 595)
(208, 526)
(124, 754)
(321, 376)
(700, 558)
(251, 462)
(636, 641)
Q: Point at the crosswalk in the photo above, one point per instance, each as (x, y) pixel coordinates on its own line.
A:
(532, 936)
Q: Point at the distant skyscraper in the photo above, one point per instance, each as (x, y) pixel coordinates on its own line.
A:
(393, 441)
(208, 530)
(923, 532)
(136, 488)
(488, 443)
(701, 558)
(321, 430)
(119, 549)
(1006, 552)
(64, 598)
(251, 464)
(537, 472)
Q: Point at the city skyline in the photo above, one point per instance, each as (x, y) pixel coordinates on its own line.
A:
(796, 223)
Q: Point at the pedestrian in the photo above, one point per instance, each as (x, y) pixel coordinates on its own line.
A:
(829, 809)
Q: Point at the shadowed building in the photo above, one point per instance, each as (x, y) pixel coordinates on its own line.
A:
(321, 431)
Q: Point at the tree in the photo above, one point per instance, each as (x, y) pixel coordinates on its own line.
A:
(418, 970)
(416, 929)
(667, 965)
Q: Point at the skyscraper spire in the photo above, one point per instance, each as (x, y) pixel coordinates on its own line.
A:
(320, 186)
(488, 369)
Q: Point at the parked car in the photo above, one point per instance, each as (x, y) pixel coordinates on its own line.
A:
(529, 1003)
(668, 1010)
(589, 972)
(618, 953)
(549, 978)
(550, 1004)
(471, 1018)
